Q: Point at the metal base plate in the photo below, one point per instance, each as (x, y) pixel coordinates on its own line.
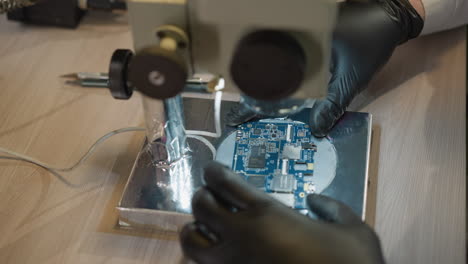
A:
(159, 198)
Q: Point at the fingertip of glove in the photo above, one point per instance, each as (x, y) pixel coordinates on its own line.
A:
(214, 168)
(216, 172)
(314, 199)
(232, 120)
(323, 203)
(323, 117)
(186, 231)
(189, 237)
(198, 197)
(331, 210)
(317, 128)
(318, 133)
(239, 114)
(193, 241)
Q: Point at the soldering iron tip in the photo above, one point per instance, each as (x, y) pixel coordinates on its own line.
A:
(70, 76)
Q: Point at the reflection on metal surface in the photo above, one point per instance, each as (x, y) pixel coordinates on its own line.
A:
(159, 194)
(166, 165)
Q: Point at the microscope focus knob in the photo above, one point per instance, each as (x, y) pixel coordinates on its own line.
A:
(268, 65)
(118, 83)
(158, 73)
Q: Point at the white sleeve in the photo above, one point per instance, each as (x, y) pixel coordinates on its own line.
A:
(444, 14)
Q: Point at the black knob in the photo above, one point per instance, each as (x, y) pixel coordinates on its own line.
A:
(158, 73)
(268, 65)
(118, 84)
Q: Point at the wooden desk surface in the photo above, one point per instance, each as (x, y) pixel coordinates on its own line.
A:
(417, 189)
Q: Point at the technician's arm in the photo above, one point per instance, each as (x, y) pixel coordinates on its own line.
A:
(444, 14)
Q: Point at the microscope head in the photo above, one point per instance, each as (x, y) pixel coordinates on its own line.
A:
(274, 53)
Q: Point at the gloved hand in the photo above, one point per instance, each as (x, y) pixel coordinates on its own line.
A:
(236, 223)
(366, 34)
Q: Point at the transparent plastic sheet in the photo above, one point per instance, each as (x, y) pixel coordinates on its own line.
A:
(170, 156)
(175, 155)
(154, 118)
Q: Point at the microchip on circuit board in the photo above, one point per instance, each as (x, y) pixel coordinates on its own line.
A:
(257, 157)
(277, 156)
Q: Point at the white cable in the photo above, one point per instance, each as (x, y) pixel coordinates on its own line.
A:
(217, 114)
(25, 158)
(54, 170)
(217, 119)
(200, 133)
(206, 142)
(195, 134)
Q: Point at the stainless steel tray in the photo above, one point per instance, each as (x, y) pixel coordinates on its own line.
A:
(154, 199)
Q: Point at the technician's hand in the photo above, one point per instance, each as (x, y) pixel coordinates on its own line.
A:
(235, 223)
(366, 34)
(365, 37)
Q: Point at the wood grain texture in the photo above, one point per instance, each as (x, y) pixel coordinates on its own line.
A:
(418, 103)
(41, 219)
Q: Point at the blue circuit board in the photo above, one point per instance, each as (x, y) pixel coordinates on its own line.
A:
(277, 156)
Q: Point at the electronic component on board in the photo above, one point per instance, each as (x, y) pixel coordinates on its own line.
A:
(277, 156)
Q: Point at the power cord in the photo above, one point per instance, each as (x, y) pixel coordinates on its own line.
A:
(21, 157)
(195, 134)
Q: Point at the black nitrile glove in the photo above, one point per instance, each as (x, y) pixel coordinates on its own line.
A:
(366, 34)
(236, 223)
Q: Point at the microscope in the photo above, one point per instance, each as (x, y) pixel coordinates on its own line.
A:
(195, 61)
